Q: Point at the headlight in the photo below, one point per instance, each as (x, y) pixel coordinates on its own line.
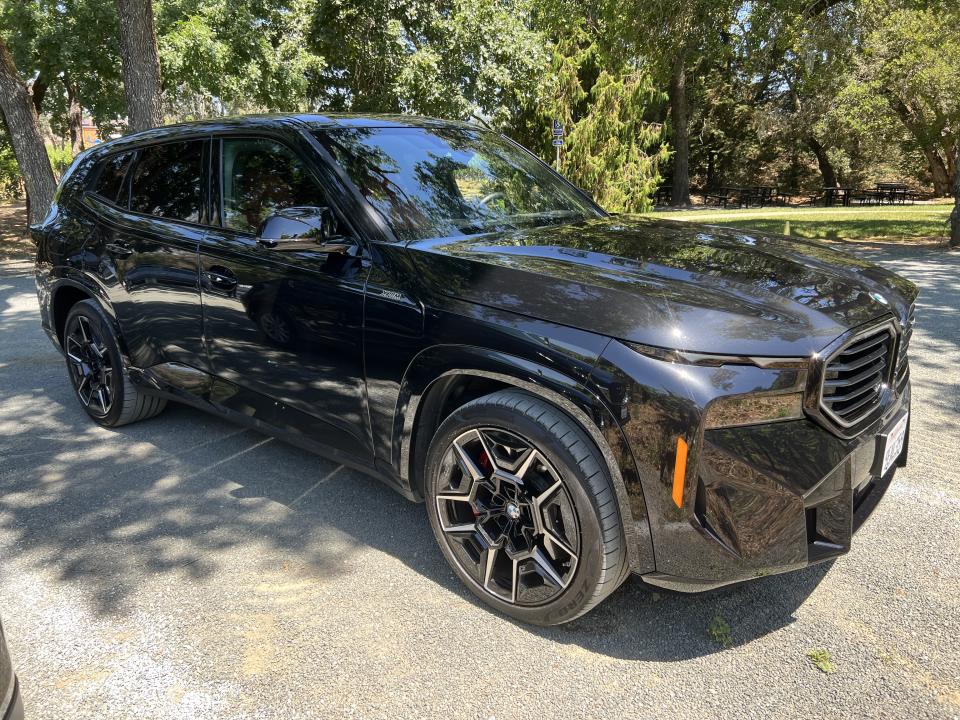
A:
(753, 409)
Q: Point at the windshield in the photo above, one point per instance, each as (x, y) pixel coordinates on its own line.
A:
(446, 182)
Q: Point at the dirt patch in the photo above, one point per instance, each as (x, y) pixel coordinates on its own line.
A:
(15, 243)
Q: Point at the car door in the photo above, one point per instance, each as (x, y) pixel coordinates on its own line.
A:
(150, 208)
(285, 325)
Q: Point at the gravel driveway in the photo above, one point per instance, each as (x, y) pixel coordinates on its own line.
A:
(187, 568)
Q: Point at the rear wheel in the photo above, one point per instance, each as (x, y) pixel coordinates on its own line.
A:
(97, 372)
(523, 508)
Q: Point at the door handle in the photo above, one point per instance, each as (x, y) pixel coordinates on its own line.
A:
(221, 278)
(119, 249)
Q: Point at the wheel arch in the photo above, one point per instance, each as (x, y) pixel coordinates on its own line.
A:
(443, 378)
(66, 293)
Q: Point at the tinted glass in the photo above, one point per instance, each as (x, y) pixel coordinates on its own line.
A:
(167, 180)
(452, 181)
(261, 177)
(109, 184)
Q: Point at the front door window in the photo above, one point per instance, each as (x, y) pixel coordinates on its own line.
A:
(260, 177)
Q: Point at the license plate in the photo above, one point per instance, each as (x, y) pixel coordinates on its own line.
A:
(894, 444)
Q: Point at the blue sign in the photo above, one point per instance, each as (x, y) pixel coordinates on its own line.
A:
(558, 142)
(558, 128)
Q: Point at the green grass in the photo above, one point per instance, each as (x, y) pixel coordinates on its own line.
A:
(842, 223)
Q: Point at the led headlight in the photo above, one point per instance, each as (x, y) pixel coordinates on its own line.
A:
(753, 409)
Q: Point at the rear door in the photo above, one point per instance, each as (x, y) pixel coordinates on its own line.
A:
(285, 325)
(151, 208)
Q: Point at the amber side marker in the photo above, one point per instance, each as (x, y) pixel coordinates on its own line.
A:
(679, 471)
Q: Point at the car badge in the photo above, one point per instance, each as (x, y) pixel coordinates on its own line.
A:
(879, 298)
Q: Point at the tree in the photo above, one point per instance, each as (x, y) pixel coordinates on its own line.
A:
(71, 48)
(910, 62)
(955, 215)
(141, 64)
(673, 40)
(24, 132)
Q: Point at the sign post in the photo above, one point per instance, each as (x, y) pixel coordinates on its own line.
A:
(557, 140)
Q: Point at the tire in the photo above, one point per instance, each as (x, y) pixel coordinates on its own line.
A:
(97, 370)
(545, 550)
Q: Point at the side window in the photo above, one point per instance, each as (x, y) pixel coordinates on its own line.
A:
(167, 181)
(261, 177)
(109, 184)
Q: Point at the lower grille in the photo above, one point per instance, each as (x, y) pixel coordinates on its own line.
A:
(854, 376)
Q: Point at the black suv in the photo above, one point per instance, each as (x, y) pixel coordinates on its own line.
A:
(576, 396)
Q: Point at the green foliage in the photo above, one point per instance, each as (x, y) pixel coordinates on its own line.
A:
(613, 151)
(821, 660)
(220, 56)
(875, 85)
(68, 41)
(60, 158)
(719, 631)
(10, 184)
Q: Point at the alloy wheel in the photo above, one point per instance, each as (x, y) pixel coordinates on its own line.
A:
(507, 517)
(91, 369)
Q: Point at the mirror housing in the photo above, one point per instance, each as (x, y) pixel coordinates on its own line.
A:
(300, 228)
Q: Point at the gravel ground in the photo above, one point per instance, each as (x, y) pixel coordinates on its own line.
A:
(187, 568)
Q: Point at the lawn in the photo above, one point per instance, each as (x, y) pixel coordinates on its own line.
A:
(841, 223)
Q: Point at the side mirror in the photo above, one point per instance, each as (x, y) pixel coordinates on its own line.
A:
(300, 228)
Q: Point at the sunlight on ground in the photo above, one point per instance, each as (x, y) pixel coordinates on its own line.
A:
(842, 223)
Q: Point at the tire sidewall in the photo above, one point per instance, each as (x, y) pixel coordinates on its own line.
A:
(568, 605)
(90, 310)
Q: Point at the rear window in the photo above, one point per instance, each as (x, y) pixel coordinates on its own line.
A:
(109, 184)
(167, 181)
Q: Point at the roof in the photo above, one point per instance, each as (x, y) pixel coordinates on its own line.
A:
(302, 121)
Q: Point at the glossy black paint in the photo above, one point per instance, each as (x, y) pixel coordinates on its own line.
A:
(359, 351)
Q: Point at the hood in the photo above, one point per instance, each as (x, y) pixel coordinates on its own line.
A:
(670, 284)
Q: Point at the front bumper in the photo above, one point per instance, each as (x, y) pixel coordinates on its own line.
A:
(754, 500)
(764, 505)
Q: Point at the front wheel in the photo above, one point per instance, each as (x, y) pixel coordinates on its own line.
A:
(523, 508)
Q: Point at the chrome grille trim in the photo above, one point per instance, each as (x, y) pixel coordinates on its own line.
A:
(856, 374)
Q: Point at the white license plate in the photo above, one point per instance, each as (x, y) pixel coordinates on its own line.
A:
(894, 444)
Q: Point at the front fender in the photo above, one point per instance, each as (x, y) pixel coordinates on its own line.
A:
(578, 399)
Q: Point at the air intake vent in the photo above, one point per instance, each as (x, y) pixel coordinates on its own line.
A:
(854, 377)
(903, 365)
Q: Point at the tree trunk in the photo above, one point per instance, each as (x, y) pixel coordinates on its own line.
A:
(141, 64)
(38, 91)
(955, 215)
(74, 116)
(24, 131)
(681, 138)
(915, 123)
(823, 161)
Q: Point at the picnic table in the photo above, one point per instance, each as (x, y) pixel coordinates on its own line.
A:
(837, 196)
(892, 193)
(743, 195)
(663, 194)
